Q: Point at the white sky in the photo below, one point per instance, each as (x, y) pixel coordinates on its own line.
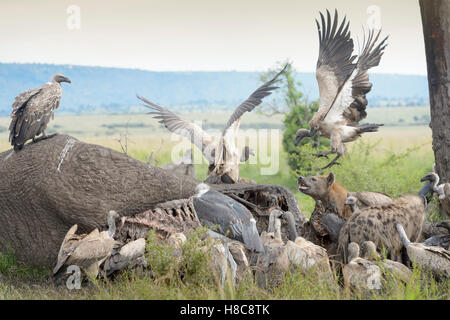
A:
(185, 35)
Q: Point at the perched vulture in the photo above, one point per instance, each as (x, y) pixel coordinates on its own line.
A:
(343, 86)
(232, 219)
(223, 156)
(33, 109)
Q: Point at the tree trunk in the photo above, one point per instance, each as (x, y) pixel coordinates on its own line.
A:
(436, 31)
(51, 185)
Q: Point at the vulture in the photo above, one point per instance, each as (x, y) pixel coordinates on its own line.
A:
(436, 259)
(365, 199)
(32, 111)
(440, 240)
(442, 190)
(86, 251)
(352, 202)
(397, 269)
(360, 273)
(223, 156)
(231, 218)
(343, 85)
(124, 256)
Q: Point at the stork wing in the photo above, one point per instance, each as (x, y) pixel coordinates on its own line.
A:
(350, 103)
(335, 62)
(253, 100)
(187, 129)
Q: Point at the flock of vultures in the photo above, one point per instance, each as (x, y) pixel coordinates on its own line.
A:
(348, 231)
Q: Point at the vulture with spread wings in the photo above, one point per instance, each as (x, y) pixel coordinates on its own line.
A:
(343, 85)
(32, 111)
(223, 156)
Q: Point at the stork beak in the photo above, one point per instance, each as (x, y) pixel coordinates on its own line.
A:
(67, 80)
(426, 178)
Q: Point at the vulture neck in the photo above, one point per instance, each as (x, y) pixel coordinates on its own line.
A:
(435, 182)
(402, 234)
(111, 226)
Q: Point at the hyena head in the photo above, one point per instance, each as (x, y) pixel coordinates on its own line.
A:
(316, 187)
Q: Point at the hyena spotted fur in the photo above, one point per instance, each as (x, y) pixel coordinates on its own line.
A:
(377, 224)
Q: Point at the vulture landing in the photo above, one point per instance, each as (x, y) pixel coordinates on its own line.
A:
(223, 156)
(32, 111)
(343, 86)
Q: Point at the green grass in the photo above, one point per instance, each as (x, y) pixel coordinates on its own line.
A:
(200, 281)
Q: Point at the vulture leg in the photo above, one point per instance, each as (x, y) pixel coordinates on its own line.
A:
(323, 154)
(332, 163)
(43, 137)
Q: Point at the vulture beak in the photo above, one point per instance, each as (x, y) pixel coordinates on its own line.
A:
(302, 133)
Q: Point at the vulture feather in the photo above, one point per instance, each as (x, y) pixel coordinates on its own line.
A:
(223, 156)
(343, 85)
(32, 111)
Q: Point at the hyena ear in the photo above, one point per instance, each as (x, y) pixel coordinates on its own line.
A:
(330, 179)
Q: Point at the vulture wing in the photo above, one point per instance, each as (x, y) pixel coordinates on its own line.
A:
(369, 199)
(253, 100)
(335, 62)
(351, 102)
(32, 110)
(187, 129)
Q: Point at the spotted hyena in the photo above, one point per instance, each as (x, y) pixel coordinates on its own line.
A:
(377, 224)
(328, 191)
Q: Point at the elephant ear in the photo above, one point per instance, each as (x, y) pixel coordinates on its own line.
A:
(330, 179)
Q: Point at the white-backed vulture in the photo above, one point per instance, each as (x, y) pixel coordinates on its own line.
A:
(397, 269)
(343, 86)
(442, 190)
(436, 259)
(223, 157)
(125, 256)
(234, 220)
(441, 240)
(32, 111)
(370, 199)
(360, 273)
(86, 251)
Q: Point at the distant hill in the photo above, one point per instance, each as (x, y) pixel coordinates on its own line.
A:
(97, 90)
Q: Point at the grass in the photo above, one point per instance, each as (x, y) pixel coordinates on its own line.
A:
(200, 281)
(391, 161)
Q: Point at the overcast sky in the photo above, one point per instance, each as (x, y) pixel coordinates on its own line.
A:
(175, 35)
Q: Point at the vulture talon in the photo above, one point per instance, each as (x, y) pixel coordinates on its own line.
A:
(321, 154)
